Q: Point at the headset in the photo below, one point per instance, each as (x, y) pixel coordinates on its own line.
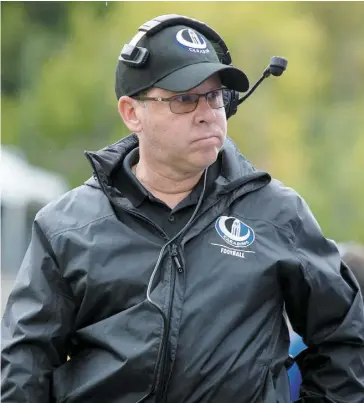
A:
(136, 56)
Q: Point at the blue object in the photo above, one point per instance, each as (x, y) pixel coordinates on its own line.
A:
(294, 374)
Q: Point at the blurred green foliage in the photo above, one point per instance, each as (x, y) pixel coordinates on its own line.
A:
(57, 75)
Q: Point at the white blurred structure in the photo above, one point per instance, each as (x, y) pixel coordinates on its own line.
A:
(24, 190)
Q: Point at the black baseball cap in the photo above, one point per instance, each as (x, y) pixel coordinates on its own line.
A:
(180, 58)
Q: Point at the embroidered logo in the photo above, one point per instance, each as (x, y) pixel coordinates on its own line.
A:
(192, 41)
(236, 234)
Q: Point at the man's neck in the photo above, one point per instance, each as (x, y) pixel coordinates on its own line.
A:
(169, 186)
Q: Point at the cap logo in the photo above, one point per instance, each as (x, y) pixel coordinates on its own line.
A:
(192, 41)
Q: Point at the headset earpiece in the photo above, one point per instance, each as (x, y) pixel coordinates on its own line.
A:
(134, 56)
(232, 106)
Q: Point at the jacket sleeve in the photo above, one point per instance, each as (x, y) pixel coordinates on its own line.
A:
(36, 325)
(325, 306)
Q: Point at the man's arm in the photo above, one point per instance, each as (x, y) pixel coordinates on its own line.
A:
(325, 307)
(36, 325)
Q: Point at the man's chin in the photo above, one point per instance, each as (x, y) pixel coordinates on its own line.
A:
(204, 159)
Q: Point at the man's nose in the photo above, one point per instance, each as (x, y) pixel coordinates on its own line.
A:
(204, 109)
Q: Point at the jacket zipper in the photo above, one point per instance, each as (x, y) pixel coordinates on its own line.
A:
(161, 364)
(158, 388)
(161, 384)
(174, 255)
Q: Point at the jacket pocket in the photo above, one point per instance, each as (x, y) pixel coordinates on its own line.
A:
(66, 377)
(95, 374)
(118, 360)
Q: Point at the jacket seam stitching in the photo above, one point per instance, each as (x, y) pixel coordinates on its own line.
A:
(80, 227)
(269, 222)
(68, 297)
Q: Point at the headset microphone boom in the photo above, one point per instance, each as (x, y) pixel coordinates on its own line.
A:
(276, 68)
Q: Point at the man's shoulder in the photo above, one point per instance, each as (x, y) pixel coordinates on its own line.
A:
(281, 192)
(74, 209)
(279, 196)
(275, 193)
(276, 203)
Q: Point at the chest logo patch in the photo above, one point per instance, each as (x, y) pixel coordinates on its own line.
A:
(234, 232)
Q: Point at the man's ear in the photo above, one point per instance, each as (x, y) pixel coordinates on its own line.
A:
(128, 109)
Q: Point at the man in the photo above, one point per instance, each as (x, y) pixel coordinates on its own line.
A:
(352, 254)
(164, 277)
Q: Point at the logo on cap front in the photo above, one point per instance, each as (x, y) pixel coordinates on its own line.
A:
(192, 41)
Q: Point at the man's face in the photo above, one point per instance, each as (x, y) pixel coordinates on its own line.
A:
(190, 141)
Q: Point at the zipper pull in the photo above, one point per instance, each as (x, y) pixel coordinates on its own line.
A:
(174, 254)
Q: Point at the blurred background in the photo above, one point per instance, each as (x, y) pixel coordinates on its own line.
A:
(57, 79)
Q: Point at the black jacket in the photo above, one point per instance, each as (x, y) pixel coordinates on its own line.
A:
(197, 320)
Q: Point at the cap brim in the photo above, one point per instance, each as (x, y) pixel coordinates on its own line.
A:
(191, 76)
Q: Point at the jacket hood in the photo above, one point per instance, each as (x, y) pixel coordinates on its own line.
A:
(235, 168)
